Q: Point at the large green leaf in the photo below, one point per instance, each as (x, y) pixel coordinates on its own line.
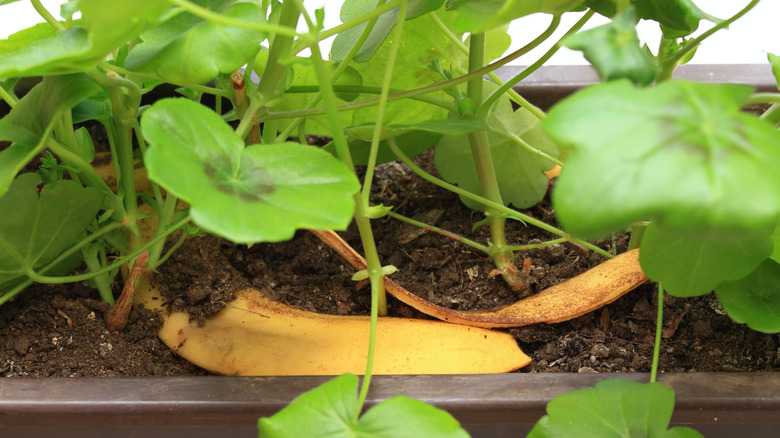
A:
(30, 121)
(689, 266)
(189, 49)
(680, 153)
(354, 8)
(114, 24)
(615, 51)
(774, 61)
(63, 52)
(678, 18)
(35, 228)
(520, 172)
(25, 37)
(246, 194)
(479, 15)
(755, 299)
(614, 408)
(332, 410)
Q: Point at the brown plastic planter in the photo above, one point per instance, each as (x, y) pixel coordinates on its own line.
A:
(490, 406)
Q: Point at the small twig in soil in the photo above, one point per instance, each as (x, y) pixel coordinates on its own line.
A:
(116, 317)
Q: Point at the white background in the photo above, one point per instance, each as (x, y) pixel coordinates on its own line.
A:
(747, 41)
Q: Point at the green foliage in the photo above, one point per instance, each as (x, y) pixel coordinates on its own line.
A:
(677, 18)
(31, 120)
(258, 193)
(25, 37)
(188, 49)
(332, 410)
(480, 15)
(353, 8)
(520, 172)
(774, 61)
(614, 408)
(681, 154)
(690, 266)
(615, 51)
(755, 299)
(36, 227)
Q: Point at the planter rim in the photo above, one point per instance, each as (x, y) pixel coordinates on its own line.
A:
(232, 403)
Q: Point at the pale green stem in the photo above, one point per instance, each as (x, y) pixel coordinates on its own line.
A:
(476, 245)
(46, 15)
(381, 108)
(7, 97)
(658, 330)
(503, 209)
(214, 17)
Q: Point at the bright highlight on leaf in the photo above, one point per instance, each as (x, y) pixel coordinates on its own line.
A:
(246, 194)
(332, 410)
(614, 408)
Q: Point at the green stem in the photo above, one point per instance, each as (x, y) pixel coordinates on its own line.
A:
(539, 62)
(101, 281)
(274, 70)
(130, 73)
(658, 330)
(354, 22)
(7, 97)
(669, 64)
(772, 115)
(214, 17)
(381, 108)
(35, 276)
(637, 231)
(46, 15)
(476, 245)
(499, 207)
(366, 89)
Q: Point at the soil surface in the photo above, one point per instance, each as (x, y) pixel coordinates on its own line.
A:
(59, 330)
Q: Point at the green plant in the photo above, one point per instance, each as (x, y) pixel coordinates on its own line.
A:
(696, 185)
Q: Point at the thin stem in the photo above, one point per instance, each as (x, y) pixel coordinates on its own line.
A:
(501, 208)
(772, 115)
(7, 97)
(381, 108)
(197, 87)
(366, 89)
(46, 15)
(539, 62)
(35, 276)
(409, 94)
(658, 330)
(668, 65)
(349, 24)
(214, 17)
(456, 237)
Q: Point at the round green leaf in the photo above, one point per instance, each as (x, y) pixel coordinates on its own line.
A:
(614, 408)
(680, 153)
(755, 299)
(246, 194)
(689, 266)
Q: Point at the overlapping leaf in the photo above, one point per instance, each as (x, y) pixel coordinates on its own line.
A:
(520, 172)
(35, 228)
(30, 121)
(252, 194)
(614, 408)
(615, 51)
(755, 299)
(354, 8)
(189, 49)
(332, 410)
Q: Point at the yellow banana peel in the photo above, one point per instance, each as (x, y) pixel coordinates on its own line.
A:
(254, 335)
(577, 296)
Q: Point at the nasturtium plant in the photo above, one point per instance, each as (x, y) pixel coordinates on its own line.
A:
(615, 51)
(680, 153)
(247, 194)
(37, 226)
(332, 410)
(614, 408)
(755, 299)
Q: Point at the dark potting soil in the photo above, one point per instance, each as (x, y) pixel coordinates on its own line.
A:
(59, 330)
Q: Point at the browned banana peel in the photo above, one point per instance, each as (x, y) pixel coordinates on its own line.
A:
(577, 296)
(254, 335)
